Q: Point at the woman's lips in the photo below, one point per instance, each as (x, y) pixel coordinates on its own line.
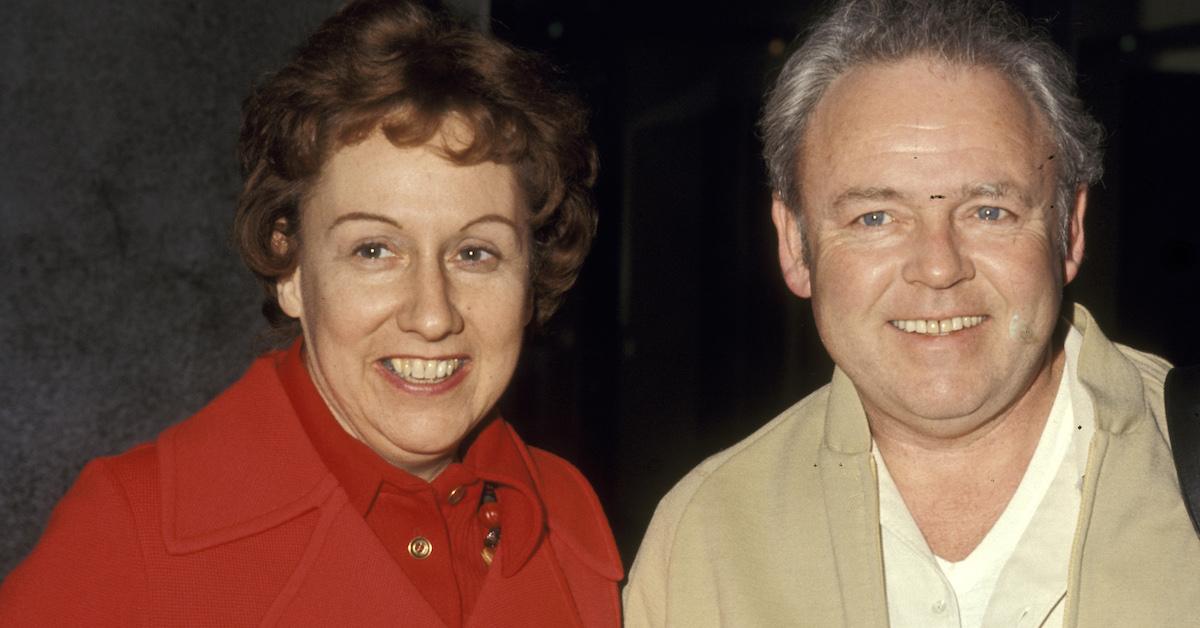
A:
(940, 326)
(425, 376)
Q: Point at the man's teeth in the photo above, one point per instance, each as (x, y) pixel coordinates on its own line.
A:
(937, 327)
(424, 371)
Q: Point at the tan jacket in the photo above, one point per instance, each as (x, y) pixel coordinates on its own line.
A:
(782, 529)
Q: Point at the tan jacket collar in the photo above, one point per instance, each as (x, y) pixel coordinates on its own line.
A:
(1114, 382)
(846, 428)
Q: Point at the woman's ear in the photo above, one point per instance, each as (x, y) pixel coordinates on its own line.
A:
(287, 291)
(287, 287)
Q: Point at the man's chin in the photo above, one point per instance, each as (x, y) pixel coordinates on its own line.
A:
(948, 415)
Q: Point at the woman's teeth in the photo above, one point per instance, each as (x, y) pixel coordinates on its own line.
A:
(421, 371)
(937, 327)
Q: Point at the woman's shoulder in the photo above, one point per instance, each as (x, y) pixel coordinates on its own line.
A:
(575, 515)
(86, 569)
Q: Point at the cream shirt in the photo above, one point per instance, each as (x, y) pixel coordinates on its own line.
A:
(1016, 576)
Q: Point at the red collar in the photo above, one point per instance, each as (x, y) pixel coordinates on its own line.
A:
(494, 456)
(244, 464)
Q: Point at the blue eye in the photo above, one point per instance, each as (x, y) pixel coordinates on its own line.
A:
(990, 213)
(875, 219)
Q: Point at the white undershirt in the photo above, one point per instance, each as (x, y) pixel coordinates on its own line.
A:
(1017, 575)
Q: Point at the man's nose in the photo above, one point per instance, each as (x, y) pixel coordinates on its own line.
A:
(429, 308)
(937, 257)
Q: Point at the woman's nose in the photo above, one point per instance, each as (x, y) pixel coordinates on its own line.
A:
(429, 308)
(937, 258)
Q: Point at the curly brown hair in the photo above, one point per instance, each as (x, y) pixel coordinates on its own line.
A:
(403, 68)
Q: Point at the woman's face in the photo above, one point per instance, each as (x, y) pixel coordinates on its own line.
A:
(413, 291)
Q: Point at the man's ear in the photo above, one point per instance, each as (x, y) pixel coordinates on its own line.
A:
(287, 287)
(1074, 236)
(791, 250)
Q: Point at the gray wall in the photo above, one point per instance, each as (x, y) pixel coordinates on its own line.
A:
(122, 305)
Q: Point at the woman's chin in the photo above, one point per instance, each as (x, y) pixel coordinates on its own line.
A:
(417, 446)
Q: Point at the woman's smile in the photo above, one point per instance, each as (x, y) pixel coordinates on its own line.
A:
(420, 376)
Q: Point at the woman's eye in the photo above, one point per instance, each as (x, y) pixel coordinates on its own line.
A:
(372, 250)
(989, 213)
(875, 219)
(475, 255)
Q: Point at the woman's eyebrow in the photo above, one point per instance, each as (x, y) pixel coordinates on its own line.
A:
(491, 218)
(497, 218)
(364, 216)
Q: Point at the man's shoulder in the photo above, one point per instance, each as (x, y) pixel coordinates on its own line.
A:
(789, 440)
(1153, 368)
(1126, 381)
(730, 511)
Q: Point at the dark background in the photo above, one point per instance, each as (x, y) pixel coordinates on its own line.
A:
(124, 309)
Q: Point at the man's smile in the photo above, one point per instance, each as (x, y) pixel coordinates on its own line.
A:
(938, 327)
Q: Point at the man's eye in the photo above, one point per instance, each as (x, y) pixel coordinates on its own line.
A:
(990, 213)
(875, 219)
(372, 250)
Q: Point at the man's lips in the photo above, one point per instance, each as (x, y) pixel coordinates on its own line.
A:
(938, 326)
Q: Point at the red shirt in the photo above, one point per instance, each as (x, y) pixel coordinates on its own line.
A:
(431, 529)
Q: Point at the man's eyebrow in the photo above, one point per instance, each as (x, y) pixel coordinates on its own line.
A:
(867, 194)
(990, 190)
(364, 216)
(995, 190)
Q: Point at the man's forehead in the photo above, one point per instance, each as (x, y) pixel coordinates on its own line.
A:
(896, 129)
(920, 94)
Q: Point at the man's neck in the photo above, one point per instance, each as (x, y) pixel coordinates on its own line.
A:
(956, 486)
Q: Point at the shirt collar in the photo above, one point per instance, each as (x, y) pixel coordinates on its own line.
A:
(495, 455)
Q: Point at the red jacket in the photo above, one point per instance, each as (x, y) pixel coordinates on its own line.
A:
(231, 519)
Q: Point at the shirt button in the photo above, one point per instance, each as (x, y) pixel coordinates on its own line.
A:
(939, 606)
(456, 495)
(420, 548)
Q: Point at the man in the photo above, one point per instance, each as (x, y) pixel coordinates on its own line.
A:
(983, 456)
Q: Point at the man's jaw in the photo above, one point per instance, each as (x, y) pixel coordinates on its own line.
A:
(938, 326)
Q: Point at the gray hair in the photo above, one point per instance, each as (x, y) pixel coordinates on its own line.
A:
(963, 32)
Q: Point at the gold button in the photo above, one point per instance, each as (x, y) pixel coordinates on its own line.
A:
(420, 548)
(456, 495)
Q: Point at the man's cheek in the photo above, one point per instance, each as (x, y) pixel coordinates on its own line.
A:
(1020, 330)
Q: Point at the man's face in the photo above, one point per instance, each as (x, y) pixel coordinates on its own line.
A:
(934, 270)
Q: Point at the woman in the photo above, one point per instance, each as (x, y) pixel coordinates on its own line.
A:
(416, 194)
